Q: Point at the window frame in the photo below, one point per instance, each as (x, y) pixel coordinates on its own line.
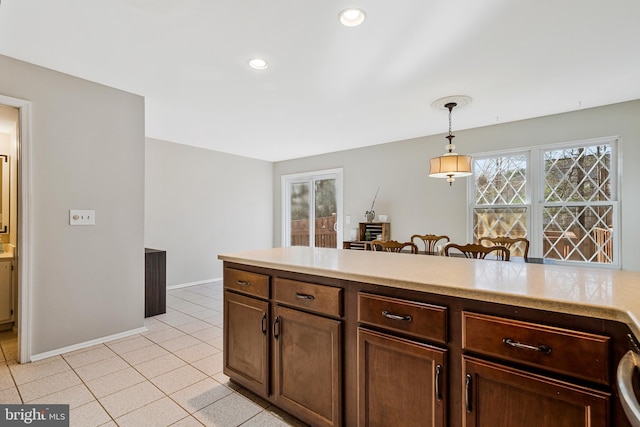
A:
(534, 190)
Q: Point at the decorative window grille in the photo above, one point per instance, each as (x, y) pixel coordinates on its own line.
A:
(500, 198)
(569, 213)
(578, 208)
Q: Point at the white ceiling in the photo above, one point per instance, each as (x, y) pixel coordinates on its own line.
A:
(331, 87)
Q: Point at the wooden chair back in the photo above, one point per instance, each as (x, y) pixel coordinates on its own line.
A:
(392, 246)
(476, 251)
(509, 242)
(430, 242)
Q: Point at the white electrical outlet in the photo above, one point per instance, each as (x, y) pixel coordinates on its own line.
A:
(348, 219)
(82, 217)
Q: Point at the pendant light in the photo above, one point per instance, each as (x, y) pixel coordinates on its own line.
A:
(450, 165)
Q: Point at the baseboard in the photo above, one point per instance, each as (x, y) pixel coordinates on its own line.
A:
(199, 282)
(79, 346)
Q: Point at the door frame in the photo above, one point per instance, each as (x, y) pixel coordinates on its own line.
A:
(24, 241)
(284, 179)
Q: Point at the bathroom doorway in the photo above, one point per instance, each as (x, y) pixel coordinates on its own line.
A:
(9, 148)
(19, 222)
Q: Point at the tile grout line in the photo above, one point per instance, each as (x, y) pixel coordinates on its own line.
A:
(184, 310)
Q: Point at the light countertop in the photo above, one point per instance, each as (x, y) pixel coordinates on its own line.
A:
(6, 253)
(586, 291)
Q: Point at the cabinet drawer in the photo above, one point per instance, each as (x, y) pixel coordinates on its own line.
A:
(246, 282)
(318, 298)
(409, 317)
(565, 351)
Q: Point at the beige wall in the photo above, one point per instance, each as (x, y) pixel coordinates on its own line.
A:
(200, 203)
(87, 148)
(416, 203)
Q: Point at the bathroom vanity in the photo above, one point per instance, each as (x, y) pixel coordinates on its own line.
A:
(339, 337)
(6, 290)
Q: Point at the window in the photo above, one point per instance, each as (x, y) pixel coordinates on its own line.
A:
(501, 201)
(312, 209)
(562, 198)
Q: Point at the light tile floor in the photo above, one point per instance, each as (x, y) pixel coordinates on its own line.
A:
(170, 375)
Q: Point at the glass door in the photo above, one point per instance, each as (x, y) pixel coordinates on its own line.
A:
(312, 209)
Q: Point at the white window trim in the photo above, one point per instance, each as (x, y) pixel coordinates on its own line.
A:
(536, 202)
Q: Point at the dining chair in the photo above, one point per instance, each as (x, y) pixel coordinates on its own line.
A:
(430, 242)
(476, 251)
(518, 245)
(393, 246)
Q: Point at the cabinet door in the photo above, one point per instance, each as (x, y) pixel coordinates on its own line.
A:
(400, 382)
(496, 395)
(308, 366)
(6, 300)
(246, 344)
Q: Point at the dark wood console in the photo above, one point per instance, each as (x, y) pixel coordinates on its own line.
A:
(155, 282)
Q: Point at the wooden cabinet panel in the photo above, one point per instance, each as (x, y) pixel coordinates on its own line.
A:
(6, 298)
(495, 395)
(409, 317)
(155, 282)
(565, 351)
(246, 282)
(400, 382)
(246, 344)
(318, 298)
(308, 366)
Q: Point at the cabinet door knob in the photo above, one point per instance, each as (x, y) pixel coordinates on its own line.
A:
(263, 323)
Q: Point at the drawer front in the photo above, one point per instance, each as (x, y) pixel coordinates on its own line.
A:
(579, 354)
(409, 317)
(319, 298)
(246, 282)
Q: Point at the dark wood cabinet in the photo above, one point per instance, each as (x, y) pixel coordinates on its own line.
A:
(246, 343)
(283, 341)
(401, 382)
(497, 395)
(336, 352)
(155, 282)
(520, 387)
(308, 366)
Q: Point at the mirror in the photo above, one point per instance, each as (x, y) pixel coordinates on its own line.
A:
(4, 193)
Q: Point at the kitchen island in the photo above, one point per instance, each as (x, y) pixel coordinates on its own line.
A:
(342, 337)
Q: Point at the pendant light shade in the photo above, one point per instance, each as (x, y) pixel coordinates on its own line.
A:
(450, 165)
(455, 165)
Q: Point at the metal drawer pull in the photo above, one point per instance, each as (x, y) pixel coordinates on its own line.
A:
(388, 315)
(263, 323)
(515, 344)
(304, 296)
(626, 369)
(243, 283)
(276, 327)
(438, 377)
(467, 393)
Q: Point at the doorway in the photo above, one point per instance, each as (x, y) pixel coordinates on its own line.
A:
(15, 119)
(9, 139)
(312, 209)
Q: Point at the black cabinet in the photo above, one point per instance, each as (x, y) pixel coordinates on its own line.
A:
(155, 282)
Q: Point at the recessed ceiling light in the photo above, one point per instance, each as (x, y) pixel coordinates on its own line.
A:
(258, 64)
(352, 17)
